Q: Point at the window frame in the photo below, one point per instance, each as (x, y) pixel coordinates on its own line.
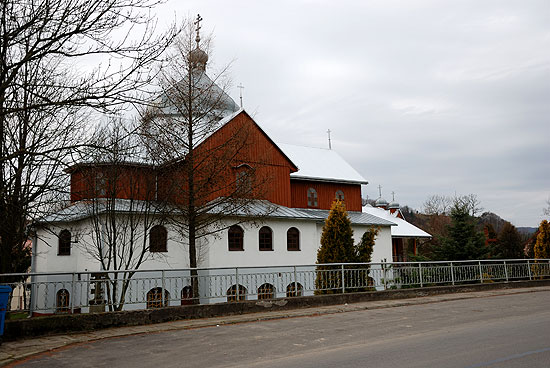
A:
(266, 291)
(235, 234)
(295, 234)
(232, 293)
(339, 195)
(261, 241)
(291, 289)
(158, 239)
(64, 243)
(312, 198)
(154, 298)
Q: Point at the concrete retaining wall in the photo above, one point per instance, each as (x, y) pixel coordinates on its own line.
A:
(63, 324)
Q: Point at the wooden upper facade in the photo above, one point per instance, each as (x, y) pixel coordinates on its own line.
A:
(238, 155)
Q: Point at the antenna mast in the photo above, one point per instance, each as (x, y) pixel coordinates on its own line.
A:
(241, 87)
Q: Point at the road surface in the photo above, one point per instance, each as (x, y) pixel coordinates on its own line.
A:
(501, 331)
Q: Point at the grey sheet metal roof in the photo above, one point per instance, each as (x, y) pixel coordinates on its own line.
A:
(258, 208)
(357, 218)
(83, 209)
(263, 208)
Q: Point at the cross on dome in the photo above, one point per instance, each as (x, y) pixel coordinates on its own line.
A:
(198, 27)
(197, 57)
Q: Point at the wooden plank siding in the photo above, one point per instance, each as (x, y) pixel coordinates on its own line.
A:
(120, 181)
(326, 192)
(238, 145)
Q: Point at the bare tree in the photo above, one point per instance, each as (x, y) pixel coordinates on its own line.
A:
(546, 210)
(470, 202)
(120, 200)
(43, 101)
(206, 171)
(437, 205)
(441, 205)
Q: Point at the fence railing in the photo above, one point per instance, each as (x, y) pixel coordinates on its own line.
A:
(90, 292)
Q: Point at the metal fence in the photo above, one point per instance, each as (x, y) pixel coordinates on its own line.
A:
(90, 292)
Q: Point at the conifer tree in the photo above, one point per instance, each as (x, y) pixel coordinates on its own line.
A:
(463, 241)
(363, 254)
(337, 237)
(366, 246)
(508, 243)
(542, 246)
(336, 247)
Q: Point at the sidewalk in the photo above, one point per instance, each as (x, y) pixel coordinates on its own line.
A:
(17, 350)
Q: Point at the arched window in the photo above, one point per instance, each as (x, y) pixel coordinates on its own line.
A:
(154, 298)
(266, 238)
(64, 248)
(158, 237)
(187, 295)
(339, 195)
(235, 238)
(62, 301)
(312, 198)
(294, 289)
(293, 239)
(266, 291)
(232, 293)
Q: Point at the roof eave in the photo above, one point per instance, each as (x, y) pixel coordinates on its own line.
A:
(328, 180)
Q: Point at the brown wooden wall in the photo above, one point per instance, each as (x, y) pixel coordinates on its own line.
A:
(326, 192)
(239, 145)
(120, 181)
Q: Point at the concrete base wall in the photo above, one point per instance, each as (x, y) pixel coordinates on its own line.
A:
(63, 324)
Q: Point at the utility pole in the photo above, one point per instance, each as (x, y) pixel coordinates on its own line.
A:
(329, 143)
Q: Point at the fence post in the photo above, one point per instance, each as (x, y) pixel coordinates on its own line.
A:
(237, 284)
(529, 269)
(343, 281)
(163, 283)
(88, 291)
(32, 300)
(295, 282)
(480, 272)
(506, 271)
(72, 295)
(383, 265)
(420, 274)
(452, 274)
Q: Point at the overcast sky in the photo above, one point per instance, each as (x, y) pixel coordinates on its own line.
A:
(422, 97)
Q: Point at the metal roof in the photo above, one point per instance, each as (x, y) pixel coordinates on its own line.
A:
(257, 208)
(321, 164)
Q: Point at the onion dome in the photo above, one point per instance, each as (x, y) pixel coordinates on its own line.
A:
(393, 206)
(381, 202)
(198, 59)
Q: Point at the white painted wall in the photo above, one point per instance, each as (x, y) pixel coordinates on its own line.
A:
(213, 253)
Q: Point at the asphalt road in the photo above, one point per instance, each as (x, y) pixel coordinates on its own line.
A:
(501, 331)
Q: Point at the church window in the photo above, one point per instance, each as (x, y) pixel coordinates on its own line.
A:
(293, 239)
(64, 246)
(158, 238)
(266, 238)
(235, 238)
(312, 198)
